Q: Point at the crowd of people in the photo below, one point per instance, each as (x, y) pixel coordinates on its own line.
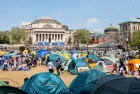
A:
(26, 62)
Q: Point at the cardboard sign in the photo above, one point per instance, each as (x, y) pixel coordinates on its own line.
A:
(110, 68)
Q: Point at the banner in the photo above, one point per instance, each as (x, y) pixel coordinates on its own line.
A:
(82, 69)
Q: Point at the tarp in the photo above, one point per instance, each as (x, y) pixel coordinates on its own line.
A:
(85, 81)
(40, 43)
(55, 43)
(42, 53)
(112, 84)
(61, 43)
(46, 43)
(45, 83)
(11, 54)
(77, 66)
(55, 57)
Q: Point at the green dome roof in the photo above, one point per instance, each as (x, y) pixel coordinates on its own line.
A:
(111, 27)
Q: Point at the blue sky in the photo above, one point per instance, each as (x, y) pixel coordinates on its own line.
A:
(94, 15)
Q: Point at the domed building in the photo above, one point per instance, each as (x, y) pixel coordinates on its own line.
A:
(47, 29)
(113, 33)
(111, 30)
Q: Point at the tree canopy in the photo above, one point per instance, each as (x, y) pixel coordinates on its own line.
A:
(82, 36)
(4, 38)
(17, 35)
(135, 39)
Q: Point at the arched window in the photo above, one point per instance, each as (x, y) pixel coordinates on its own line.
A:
(47, 26)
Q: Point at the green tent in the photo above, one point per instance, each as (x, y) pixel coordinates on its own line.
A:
(2, 83)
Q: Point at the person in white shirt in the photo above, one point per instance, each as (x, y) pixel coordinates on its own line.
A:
(50, 66)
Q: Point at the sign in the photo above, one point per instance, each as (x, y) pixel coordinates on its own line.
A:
(110, 68)
(82, 69)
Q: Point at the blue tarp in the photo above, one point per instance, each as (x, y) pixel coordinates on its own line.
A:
(85, 81)
(11, 54)
(75, 64)
(45, 83)
(55, 57)
(55, 43)
(47, 43)
(42, 53)
(40, 43)
(61, 43)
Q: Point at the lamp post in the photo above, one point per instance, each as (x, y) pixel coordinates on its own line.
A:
(127, 43)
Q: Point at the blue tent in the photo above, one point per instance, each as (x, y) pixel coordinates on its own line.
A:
(78, 65)
(41, 53)
(94, 57)
(85, 81)
(55, 57)
(45, 83)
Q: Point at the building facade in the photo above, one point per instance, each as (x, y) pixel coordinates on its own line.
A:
(111, 30)
(128, 28)
(113, 33)
(100, 38)
(46, 29)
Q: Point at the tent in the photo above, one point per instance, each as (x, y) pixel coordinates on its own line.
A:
(104, 65)
(85, 81)
(45, 83)
(113, 84)
(42, 53)
(77, 66)
(55, 57)
(90, 62)
(94, 57)
(10, 90)
(133, 64)
(113, 59)
(2, 83)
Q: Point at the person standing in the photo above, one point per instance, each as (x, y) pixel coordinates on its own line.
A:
(50, 67)
(5, 66)
(58, 67)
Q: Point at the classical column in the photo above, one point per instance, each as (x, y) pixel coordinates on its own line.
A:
(55, 37)
(39, 37)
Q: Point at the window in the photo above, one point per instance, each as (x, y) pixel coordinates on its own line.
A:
(134, 28)
(47, 26)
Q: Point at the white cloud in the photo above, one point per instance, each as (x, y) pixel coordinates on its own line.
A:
(59, 14)
(99, 30)
(92, 21)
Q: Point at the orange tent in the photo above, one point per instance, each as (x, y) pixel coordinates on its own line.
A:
(133, 64)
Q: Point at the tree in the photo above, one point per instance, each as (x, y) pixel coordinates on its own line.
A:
(82, 36)
(17, 35)
(4, 38)
(69, 40)
(135, 39)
